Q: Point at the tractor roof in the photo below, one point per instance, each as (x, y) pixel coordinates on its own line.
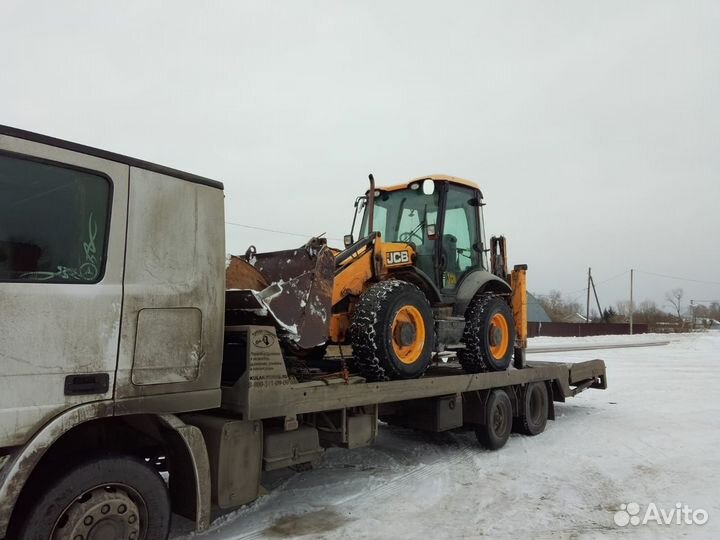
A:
(441, 177)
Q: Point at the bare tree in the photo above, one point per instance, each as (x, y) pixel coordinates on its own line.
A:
(558, 308)
(622, 308)
(675, 299)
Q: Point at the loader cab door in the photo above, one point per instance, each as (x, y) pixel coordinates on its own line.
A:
(460, 241)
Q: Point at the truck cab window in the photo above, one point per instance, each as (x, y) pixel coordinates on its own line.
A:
(52, 222)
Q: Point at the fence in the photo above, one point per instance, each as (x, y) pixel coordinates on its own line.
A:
(560, 329)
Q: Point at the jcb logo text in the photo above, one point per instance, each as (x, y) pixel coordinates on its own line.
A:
(397, 257)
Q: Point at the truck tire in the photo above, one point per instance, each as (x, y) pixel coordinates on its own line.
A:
(489, 335)
(110, 497)
(391, 332)
(498, 421)
(535, 409)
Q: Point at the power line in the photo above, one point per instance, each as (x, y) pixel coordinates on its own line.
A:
(276, 231)
(679, 278)
(584, 289)
(614, 277)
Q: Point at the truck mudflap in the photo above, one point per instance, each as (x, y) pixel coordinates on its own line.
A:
(291, 288)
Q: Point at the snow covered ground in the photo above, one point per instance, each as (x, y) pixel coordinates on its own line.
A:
(652, 437)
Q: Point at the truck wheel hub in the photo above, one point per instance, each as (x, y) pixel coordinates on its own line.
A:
(104, 513)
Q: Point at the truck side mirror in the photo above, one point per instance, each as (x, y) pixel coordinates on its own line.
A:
(348, 240)
(431, 232)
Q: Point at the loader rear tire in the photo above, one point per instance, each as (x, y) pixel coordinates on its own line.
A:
(489, 335)
(391, 332)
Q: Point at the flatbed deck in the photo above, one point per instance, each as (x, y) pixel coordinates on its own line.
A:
(266, 391)
(308, 397)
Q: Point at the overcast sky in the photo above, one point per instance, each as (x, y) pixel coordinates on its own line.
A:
(592, 127)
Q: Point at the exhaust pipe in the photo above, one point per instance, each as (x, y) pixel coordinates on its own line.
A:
(371, 204)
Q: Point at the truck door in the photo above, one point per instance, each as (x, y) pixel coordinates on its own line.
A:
(62, 242)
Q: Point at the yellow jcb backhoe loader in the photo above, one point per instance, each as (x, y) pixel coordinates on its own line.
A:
(414, 286)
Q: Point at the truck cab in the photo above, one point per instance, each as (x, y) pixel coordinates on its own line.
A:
(111, 287)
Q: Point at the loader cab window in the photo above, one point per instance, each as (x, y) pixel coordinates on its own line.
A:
(460, 236)
(403, 216)
(53, 222)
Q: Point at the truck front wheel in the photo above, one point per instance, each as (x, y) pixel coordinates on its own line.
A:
(106, 498)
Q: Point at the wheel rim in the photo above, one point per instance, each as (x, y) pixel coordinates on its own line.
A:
(108, 512)
(499, 332)
(536, 406)
(499, 419)
(408, 334)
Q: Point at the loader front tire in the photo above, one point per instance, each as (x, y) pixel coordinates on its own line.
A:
(489, 335)
(391, 332)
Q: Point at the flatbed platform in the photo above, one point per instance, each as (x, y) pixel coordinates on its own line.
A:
(266, 391)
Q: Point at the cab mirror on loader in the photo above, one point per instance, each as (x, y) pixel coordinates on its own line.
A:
(431, 232)
(348, 240)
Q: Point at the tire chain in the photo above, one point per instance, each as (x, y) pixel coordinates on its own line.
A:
(363, 330)
(471, 358)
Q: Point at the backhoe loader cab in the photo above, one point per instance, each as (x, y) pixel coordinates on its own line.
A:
(440, 217)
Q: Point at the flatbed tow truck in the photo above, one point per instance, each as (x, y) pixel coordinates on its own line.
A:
(127, 396)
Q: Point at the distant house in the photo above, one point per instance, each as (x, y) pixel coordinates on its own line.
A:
(705, 322)
(536, 313)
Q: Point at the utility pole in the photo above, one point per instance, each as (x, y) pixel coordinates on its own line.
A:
(587, 304)
(692, 314)
(600, 311)
(631, 299)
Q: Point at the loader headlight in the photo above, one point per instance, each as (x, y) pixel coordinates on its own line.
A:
(428, 186)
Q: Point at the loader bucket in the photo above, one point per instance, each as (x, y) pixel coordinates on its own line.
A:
(292, 288)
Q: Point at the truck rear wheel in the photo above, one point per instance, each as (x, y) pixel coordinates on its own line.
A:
(535, 409)
(107, 498)
(498, 421)
(391, 332)
(489, 335)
